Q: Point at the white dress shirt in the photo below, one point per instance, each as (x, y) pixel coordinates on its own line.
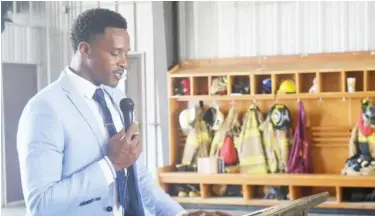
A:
(86, 89)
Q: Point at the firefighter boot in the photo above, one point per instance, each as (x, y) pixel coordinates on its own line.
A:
(233, 190)
(194, 191)
(352, 166)
(182, 190)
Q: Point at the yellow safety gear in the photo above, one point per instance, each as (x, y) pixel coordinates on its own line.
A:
(287, 86)
(249, 144)
(277, 146)
(370, 139)
(229, 126)
(197, 142)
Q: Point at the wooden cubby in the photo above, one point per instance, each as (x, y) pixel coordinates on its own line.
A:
(331, 113)
(331, 82)
(370, 80)
(176, 83)
(228, 89)
(258, 80)
(359, 80)
(279, 78)
(305, 81)
(200, 86)
(239, 81)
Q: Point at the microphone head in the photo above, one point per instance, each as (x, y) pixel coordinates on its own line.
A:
(126, 105)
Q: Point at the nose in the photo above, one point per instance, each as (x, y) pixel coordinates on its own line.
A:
(123, 63)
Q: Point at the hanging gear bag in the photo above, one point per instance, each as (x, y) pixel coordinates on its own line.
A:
(300, 156)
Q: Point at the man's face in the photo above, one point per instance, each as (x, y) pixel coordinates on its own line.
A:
(107, 57)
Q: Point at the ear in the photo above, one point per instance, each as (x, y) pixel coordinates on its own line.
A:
(84, 48)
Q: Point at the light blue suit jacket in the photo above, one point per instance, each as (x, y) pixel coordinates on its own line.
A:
(59, 146)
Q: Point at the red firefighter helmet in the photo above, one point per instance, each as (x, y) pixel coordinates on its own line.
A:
(185, 83)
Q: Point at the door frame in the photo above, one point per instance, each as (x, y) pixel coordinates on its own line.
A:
(136, 79)
(2, 141)
(4, 197)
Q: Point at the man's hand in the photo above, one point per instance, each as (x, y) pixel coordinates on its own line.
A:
(206, 213)
(124, 148)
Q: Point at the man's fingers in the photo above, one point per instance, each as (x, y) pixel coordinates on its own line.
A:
(132, 130)
(136, 139)
(121, 134)
(138, 147)
(196, 213)
(220, 213)
(132, 145)
(205, 213)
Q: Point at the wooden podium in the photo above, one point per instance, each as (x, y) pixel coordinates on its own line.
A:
(297, 207)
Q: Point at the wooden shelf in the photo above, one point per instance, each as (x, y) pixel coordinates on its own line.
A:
(277, 68)
(330, 203)
(326, 180)
(301, 96)
(331, 113)
(227, 201)
(295, 182)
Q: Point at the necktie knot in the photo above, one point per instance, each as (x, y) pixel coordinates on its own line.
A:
(99, 95)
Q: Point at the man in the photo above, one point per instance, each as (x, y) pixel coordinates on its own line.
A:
(75, 157)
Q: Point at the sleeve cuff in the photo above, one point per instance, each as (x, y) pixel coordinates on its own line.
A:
(108, 169)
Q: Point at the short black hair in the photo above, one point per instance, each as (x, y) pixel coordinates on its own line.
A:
(93, 22)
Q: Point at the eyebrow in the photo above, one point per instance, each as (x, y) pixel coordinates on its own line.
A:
(120, 49)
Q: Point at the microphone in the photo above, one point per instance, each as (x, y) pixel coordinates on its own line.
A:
(127, 109)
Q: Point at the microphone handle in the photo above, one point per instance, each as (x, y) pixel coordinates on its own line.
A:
(128, 119)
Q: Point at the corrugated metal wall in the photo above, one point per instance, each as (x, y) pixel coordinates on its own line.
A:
(225, 29)
(22, 40)
(207, 29)
(61, 25)
(40, 33)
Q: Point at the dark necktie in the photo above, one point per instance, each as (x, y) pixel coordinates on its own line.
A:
(120, 175)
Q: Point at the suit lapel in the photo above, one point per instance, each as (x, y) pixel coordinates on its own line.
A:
(83, 109)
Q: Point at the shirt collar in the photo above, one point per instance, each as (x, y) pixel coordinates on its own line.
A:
(83, 86)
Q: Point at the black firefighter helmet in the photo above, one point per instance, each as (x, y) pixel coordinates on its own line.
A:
(368, 111)
(280, 117)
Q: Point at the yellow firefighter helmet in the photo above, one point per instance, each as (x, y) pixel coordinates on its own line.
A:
(287, 86)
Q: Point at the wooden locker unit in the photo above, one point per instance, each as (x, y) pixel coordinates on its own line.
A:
(331, 114)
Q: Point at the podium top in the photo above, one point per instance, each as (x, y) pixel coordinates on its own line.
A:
(293, 208)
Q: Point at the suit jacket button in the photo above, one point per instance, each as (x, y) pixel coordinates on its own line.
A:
(108, 209)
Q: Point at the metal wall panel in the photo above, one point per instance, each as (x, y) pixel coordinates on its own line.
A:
(21, 40)
(227, 29)
(22, 44)
(40, 34)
